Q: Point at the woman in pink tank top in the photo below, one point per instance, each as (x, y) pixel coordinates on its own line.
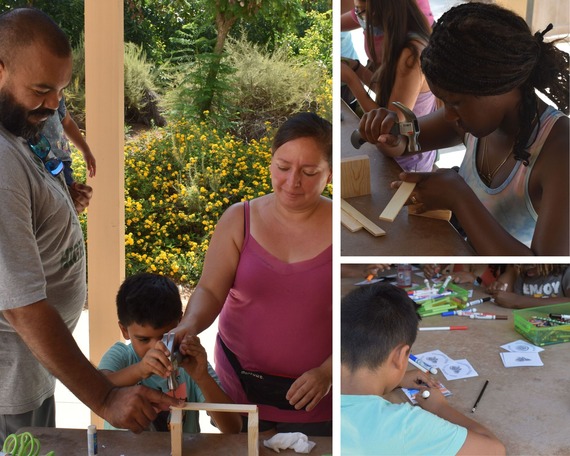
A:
(268, 276)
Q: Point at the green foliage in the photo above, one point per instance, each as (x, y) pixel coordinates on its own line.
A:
(315, 44)
(139, 86)
(269, 87)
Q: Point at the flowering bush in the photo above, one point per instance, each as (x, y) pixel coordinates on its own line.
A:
(178, 182)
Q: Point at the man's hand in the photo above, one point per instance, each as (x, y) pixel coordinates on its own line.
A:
(135, 407)
(81, 195)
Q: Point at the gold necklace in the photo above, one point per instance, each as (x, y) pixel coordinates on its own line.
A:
(487, 177)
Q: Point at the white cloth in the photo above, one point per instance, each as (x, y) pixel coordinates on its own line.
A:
(295, 440)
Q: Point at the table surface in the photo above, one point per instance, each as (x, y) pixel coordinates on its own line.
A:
(70, 442)
(527, 408)
(406, 235)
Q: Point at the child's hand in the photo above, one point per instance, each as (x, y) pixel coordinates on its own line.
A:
(497, 286)
(463, 277)
(90, 163)
(434, 402)
(506, 299)
(430, 270)
(156, 361)
(414, 379)
(195, 361)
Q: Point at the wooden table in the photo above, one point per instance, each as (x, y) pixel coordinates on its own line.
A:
(406, 235)
(71, 442)
(526, 407)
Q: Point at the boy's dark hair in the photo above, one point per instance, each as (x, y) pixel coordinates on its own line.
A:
(305, 125)
(483, 49)
(148, 299)
(375, 319)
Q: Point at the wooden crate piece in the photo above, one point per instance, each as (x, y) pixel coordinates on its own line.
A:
(355, 176)
(252, 423)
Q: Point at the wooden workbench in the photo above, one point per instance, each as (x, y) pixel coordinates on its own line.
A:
(71, 442)
(406, 235)
(526, 407)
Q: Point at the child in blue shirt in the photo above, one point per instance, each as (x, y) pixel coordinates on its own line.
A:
(148, 306)
(379, 324)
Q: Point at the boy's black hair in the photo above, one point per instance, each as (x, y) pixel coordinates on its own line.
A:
(374, 319)
(483, 49)
(148, 299)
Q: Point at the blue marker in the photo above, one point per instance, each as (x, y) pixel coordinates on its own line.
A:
(422, 365)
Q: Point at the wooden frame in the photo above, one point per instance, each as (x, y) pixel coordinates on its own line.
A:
(176, 433)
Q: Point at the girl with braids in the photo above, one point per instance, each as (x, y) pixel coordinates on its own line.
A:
(532, 285)
(511, 195)
(399, 76)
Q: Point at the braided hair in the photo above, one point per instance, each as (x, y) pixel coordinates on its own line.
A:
(483, 49)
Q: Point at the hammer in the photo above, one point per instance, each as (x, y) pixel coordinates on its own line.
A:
(409, 128)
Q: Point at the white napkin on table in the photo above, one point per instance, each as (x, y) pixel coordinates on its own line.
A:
(295, 440)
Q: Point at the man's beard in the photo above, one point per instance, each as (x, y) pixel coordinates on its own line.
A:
(14, 117)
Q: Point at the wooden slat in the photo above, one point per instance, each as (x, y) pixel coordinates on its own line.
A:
(440, 214)
(349, 222)
(397, 202)
(366, 223)
(176, 432)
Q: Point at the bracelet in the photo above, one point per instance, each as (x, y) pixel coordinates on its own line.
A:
(357, 66)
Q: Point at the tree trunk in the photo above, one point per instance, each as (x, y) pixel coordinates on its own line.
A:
(223, 26)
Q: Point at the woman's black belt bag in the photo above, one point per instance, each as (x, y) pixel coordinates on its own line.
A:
(261, 388)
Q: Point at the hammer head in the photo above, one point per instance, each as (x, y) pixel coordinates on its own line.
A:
(409, 128)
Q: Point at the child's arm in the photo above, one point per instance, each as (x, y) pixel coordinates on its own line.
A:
(155, 362)
(512, 300)
(74, 134)
(196, 364)
(480, 440)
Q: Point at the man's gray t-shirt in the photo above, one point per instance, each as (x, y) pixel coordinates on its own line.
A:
(42, 256)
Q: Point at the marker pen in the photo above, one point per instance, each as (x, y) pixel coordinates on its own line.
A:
(478, 301)
(488, 317)
(442, 288)
(443, 328)
(560, 316)
(459, 313)
(424, 367)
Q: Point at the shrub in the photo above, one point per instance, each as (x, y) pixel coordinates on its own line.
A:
(178, 182)
(141, 101)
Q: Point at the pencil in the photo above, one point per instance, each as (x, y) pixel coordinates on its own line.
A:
(479, 397)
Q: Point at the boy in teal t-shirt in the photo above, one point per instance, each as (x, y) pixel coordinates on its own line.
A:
(148, 306)
(379, 324)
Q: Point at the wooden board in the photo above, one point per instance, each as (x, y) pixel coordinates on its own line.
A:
(367, 224)
(355, 176)
(397, 202)
(349, 222)
(441, 214)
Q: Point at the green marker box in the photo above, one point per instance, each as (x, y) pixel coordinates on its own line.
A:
(543, 335)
